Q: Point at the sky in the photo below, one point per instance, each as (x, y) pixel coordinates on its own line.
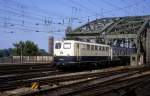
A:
(36, 20)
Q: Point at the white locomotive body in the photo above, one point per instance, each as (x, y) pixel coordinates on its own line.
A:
(70, 52)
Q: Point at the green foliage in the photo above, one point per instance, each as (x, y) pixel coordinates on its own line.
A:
(6, 52)
(42, 52)
(25, 48)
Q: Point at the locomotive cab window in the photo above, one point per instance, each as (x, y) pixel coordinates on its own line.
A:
(57, 45)
(67, 45)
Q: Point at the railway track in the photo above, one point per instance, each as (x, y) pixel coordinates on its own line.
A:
(61, 80)
(16, 72)
(127, 84)
(110, 86)
(12, 81)
(23, 68)
(15, 77)
(72, 89)
(92, 79)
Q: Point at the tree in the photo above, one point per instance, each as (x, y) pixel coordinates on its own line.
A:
(6, 52)
(42, 52)
(25, 48)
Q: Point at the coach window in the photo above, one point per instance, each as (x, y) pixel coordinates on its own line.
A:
(67, 45)
(107, 48)
(99, 48)
(96, 48)
(83, 47)
(58, 46)
(102, 48)
(92, 47)
(88, 47)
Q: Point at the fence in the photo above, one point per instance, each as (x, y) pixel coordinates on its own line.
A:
(6, 60)
(27, 59)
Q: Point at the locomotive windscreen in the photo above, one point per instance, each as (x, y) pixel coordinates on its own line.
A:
(57, 45)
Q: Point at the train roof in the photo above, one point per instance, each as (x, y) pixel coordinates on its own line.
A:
(82, 42)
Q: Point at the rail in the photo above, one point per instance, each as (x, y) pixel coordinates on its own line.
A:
(70, 88)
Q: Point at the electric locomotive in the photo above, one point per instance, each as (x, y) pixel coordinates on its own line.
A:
(77, 55)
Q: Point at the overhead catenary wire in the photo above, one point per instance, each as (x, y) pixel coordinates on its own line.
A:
(40, 10)
(27, 28)
(15, 12)
(84, 7)
(26, 20)
(40, 17)
(122, 8)
(114, 10)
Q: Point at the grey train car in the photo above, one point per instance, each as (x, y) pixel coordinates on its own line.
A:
(77, 55)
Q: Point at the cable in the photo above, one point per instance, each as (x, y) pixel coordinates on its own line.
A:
(28, 15)
(114, 10)
(40, 10)
(32, 30)
(84, 7)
